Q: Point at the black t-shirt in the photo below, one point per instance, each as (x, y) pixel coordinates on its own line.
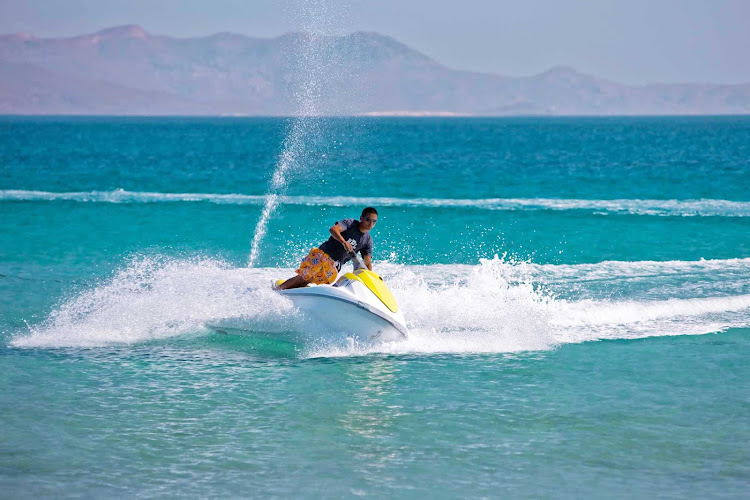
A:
(360, 242)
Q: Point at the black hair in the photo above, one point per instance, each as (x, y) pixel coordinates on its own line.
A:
(368, 211)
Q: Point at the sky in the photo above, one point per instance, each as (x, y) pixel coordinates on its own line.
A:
(628, 41)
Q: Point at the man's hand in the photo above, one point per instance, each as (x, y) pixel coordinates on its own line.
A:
(335, 231)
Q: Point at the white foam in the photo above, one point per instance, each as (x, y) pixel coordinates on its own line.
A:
(123, 196)
(154, 298)
(684, 208)
(494, 307)
(502, 306)
(611, 268)
(670, 278)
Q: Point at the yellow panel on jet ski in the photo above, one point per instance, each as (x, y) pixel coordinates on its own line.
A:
(375, 283)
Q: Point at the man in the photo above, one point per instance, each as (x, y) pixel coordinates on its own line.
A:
(348, 236)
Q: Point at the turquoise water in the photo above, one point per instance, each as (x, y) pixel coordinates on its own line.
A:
(577, 292)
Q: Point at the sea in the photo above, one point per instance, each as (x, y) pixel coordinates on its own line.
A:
(577, 293)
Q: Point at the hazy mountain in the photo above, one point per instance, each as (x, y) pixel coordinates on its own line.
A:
(125, 70)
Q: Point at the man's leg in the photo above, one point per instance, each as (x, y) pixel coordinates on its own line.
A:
(296, 282)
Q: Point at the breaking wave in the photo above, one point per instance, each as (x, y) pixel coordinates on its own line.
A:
(684, 208)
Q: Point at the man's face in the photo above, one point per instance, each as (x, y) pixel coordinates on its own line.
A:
(368, 221)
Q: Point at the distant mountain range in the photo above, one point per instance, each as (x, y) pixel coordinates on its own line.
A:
(127, 71)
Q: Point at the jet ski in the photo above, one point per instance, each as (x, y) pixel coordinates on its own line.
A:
(358, 305)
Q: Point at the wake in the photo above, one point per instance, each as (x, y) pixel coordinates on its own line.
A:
(495, 306)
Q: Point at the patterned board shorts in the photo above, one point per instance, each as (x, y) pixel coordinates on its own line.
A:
(318, 268)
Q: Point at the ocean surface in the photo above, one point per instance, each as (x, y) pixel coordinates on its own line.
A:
(577, 292)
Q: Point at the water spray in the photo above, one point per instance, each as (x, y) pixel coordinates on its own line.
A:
(311, 53)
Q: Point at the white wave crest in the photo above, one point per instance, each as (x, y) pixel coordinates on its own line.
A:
(684, 208)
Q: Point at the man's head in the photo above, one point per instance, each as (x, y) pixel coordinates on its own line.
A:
(368, 219)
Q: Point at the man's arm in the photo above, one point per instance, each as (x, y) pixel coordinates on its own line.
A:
(368, 261)
(335, 231)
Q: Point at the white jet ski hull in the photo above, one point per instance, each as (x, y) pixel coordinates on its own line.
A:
(343, 316)
(358, 307)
